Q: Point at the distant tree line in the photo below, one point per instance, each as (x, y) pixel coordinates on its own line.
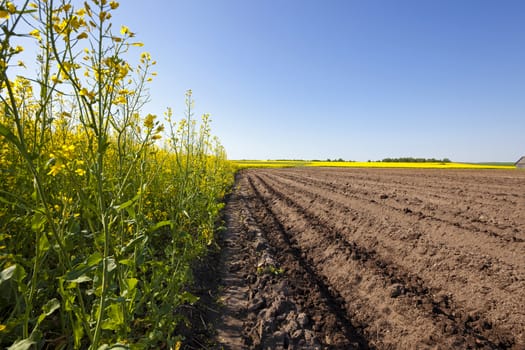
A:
(415, 160)
(331, 160)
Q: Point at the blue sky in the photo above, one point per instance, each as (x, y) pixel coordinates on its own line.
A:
(360, 80)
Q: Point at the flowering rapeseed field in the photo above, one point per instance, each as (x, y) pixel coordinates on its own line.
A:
(241, 164)
(102, 209)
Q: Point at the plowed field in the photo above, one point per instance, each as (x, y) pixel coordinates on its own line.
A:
(375, 259)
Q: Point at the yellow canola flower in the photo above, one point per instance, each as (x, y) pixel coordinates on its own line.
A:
(4, 14)
(120, 100)
(148, 121)
(56, 169)
(86, 93)
(80, 172)
(124, 30)
(35, 33)
(11, 7)
(59, 27)
(68, 151)
(66, 199)
(76, 22)
(145, 56)
(104, 16)
(2, 327)
(113, 5)
(123, 70)
(54, 79)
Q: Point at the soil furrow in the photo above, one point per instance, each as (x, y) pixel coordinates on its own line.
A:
(273, 301)
(362, 212)
(333, 301)
(406, 224)
(437, 196)
(485, 286)
(454, 182)
(375, 259)
(442, 312)
(409, 204)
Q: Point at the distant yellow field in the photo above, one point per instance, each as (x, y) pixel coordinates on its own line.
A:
(242, 164)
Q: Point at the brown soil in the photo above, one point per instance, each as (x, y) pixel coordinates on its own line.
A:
(374, 259)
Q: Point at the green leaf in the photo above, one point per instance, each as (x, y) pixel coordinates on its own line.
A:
(160, 224)
(48, 309)
(187, 297)
(126, 203)
(78, 332)
(127, 262)
(7, 287)
(5, 201)
(51, 306)
(115, 347)
(24, 344)
(5, 132)
(43, 244)
(7, 274)
(15, 272)
(38, 221)
(112, 265)
(78, 274)
(94, 259)
(18, 202)
(131, 212)
(132, 243)
(132, 283)
(115, 317)
(81, 279)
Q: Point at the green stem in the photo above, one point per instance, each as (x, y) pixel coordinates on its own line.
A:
(101, 138)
